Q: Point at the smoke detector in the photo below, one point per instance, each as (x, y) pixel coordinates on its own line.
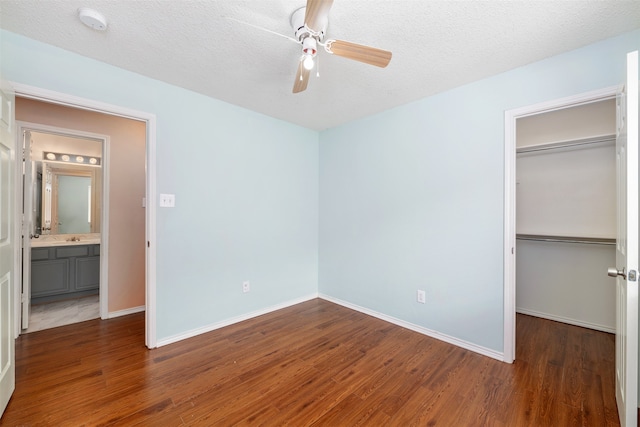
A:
(92, 19)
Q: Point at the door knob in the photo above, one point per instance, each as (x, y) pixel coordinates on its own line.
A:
(614, 272)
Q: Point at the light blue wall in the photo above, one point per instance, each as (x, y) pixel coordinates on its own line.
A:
(408, 199)
(412, 198)
(246, 189)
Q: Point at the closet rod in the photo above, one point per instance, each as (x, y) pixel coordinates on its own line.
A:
(563, 239)
(567, 144)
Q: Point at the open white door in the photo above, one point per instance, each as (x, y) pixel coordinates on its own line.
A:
(7, 248)
(28, 229)
(626, 270)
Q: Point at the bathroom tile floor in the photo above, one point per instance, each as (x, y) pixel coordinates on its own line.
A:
(50, 315)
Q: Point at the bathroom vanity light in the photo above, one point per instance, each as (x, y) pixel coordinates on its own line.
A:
(71, 158)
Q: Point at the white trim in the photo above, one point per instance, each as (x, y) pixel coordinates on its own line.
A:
(125, 312)
(417, 328)
(233, 320)
(59, 98)
(67, 100)
(510, 117)
(567, 320)
(18, 229)
(104, 232)
(57, 130)
(570, 101)
(150, 333)
(16, 216)
(509, 251)
(21, 126)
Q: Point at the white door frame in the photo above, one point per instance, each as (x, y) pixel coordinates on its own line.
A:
(39, 94)
(510, 117)
(22, 126)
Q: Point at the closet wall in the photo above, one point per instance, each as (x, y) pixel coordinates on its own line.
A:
(565, 215)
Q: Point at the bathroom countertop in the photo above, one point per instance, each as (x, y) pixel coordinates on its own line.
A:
(64, 240)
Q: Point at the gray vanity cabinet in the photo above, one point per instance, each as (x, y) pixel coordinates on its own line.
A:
(63, 272)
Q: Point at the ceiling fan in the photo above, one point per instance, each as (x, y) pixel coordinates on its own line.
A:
(309, 25)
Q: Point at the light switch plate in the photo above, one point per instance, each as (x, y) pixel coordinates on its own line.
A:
(167, 200)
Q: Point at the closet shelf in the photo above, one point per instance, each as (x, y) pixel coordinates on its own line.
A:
(574, 143)
(566, 239)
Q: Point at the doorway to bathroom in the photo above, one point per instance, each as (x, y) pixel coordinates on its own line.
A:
(109, 255)
(63, 212)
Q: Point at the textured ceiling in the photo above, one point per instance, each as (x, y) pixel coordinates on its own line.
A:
(436, 45)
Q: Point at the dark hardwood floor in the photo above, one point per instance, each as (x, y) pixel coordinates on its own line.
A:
(315, 364)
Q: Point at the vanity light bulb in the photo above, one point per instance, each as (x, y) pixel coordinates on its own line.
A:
(93, 161)
(80, 159)
(51, 156)
(65, 157)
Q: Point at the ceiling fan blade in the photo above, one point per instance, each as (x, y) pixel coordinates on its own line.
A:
(317, 14)
(358, 52)
(302, 78)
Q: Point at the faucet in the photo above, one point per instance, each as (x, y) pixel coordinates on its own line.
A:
(73, 239)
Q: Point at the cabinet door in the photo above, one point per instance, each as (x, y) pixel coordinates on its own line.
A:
(87, 273)
(49, 277)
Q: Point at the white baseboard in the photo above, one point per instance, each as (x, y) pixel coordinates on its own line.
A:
(420, 329)
(231, 321)
(126, 311)
(568, 320)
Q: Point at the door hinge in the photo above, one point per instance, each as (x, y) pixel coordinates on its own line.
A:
(24, 298)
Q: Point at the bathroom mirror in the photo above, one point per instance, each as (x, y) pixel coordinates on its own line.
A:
(68, 197)
(65, 182)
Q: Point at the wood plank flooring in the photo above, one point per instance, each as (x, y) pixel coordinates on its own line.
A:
(313, 364)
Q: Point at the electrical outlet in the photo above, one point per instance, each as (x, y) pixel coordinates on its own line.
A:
(246, 286)
(421, 296)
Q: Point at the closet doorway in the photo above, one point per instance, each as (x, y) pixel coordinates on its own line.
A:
(510, 223)
(566, 214)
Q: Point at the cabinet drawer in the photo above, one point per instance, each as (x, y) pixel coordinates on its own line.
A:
(71, 251)
(38, 254)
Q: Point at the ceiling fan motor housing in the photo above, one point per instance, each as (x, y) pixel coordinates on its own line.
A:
(302, 32)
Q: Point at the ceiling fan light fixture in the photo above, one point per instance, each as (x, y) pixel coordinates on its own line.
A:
(309, 51)
(307, 62)
(310, 46)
